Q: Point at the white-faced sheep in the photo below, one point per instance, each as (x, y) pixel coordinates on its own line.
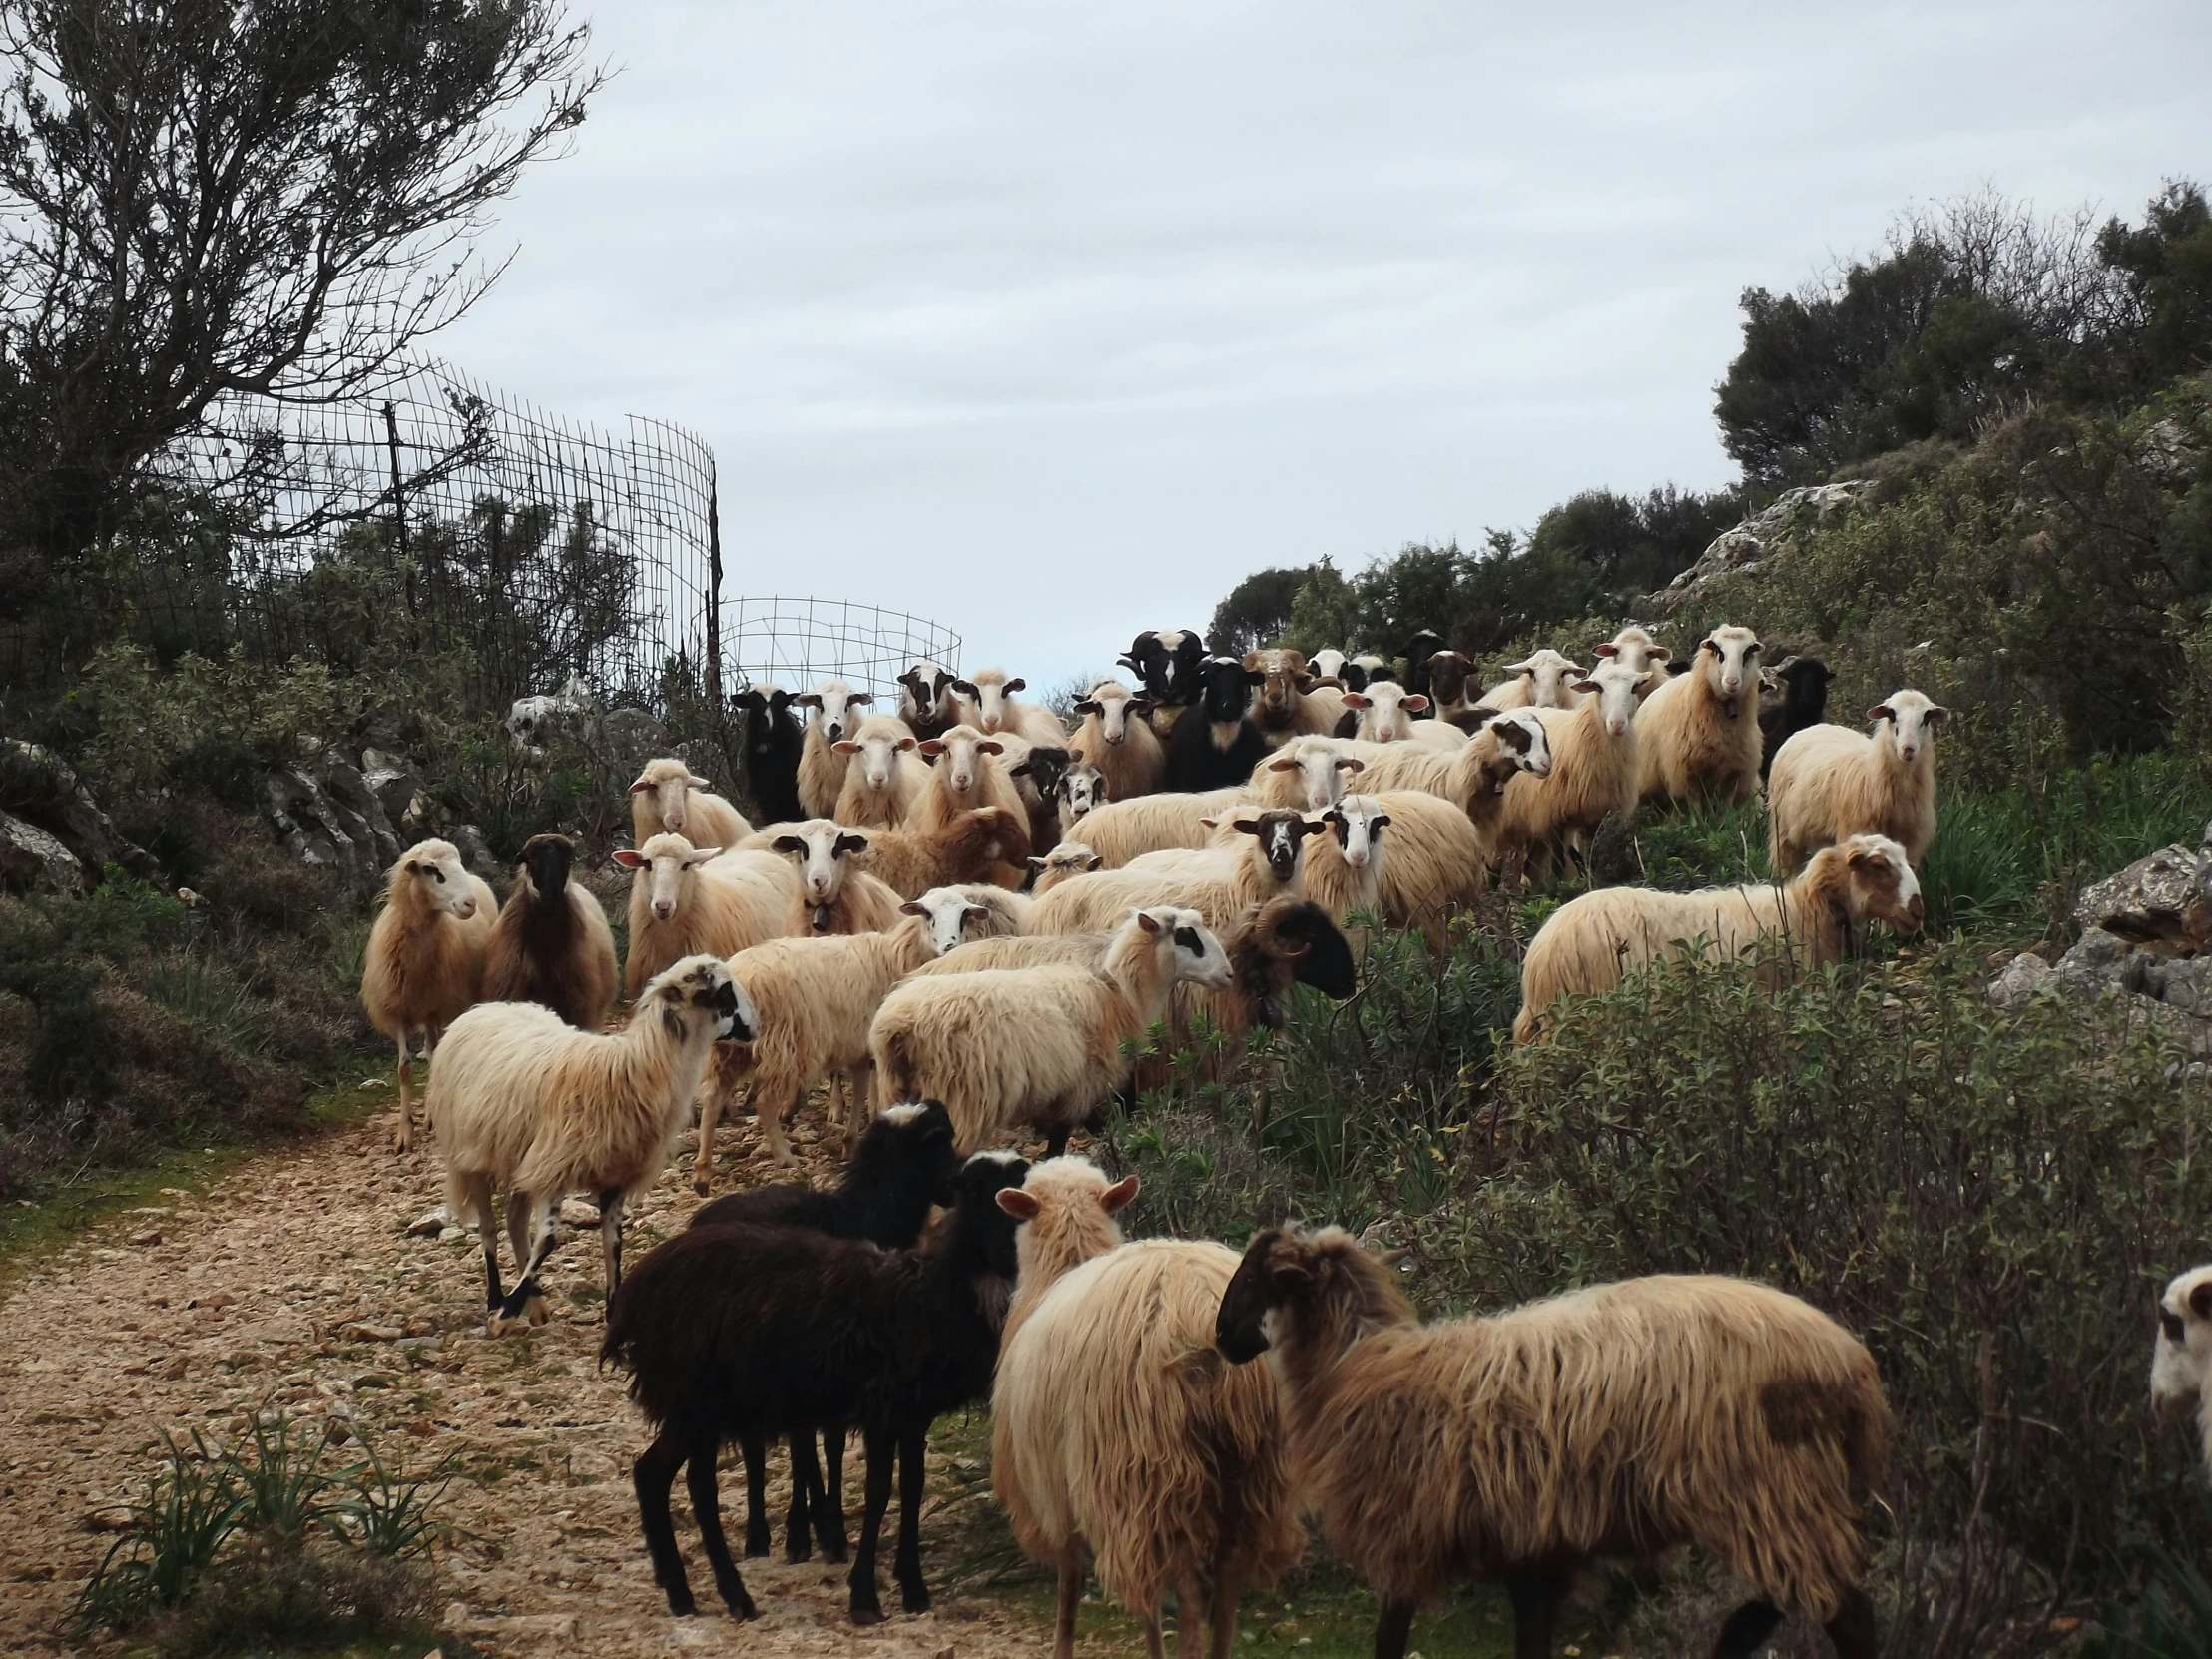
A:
(1082, 790)
(1829, 783)
(1005, 914)
(669, 797)
(834, 711)
(816, 998)
(1064, 862)
(1698, 734)
(685, 900)
(1290, 704)
(989, 703)
(884, 775)
(1329, 664)
(551, 943)
(1041, 1048)
(2182, 1354)
(1310, 774)
(1344, 865)
(1261, 859)
(1125, 749)
(983, 843)
(1542, 679)
(1383, 712)
(521, 1100)
(1616, 1421)
(1114, 1427)
(1473, 775)
(1635, 650)
(1124, 830)
(1594, 773)
(831, 896)
(966, 774)
(1594, 942)
(425, 959)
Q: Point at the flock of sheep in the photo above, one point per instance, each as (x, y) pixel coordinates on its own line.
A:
(961, 915)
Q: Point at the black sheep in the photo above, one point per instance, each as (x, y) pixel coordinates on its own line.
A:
(1215, 742)
(770, 1329)
(1166, 663)
(1418, 650)
(773, 739)
(550, 944)
(904, 1166)
(1801, 702)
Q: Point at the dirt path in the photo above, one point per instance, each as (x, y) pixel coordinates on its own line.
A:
(292, 1284)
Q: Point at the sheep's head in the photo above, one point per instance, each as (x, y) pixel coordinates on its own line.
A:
(822, 850)
(1730, 658)
(983, 1226)
(874, 749)
(1451, 675)
(1320, 768)
(547, 862)
(833, 709)
(925, 692)
(1109, 702)
(1196, 953)
(1299, 936)
(664, 865)
(1548, 675)
(669, 783)
(1912, 719)
(1508, 743)
(2182, 1354)
(984, 699)
(1633, 649)
(1224, 689)
(1082, 790)
(1281, 835)
(1066, 1208)
(702, 987)
(1880, 885)
(916, 1136)
(1064, 862)
(1418, 650)
(1357, 821)
(1297, 1285)
(1277, 674)
(1329, 664)
(1166, 662)
(958, 756)
(1616, 687)
(948, 914)
(435, 868)
(1044, 766)
(1365, 670)
(1385, 711)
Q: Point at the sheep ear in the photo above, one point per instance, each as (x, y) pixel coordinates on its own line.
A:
(932, 747)
(1379, 821)
(1882, 711)
(1283, 763)
(1510, 731)
(1035, 863)
(990, 747)
(1149, 923)
(641, 785)
(779, 699)
(1250, 826)
(1937, 713)
(1016, 684)
(700, 855)
(1312, 825)
(847, 843)
(808, 700)
(976, 912)
(1119, 1196)
(846, 746)
(786, 844)
(911, 909)
(2200, 1300)
(1584, 686)
(1608, 648)
(863, 697)
(906, 744)
(1018, 1204)
(1414, 702)
(696, 783)
(965, 688)
(1658, 654)
(1213, 823)
(1088, 705)
(629, 860)
(1351, 763)
(1356, 700)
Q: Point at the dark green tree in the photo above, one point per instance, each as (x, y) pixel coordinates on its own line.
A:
(1257, 611)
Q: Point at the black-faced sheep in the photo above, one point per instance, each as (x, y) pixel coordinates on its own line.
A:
(1698, 734)
(425, 960)
(1829, 783)
(763, 1331)
(1165, 662)
(1418, 650)
(1617, 1421)
(1215, 742)
(667, 796)
(551, 943)
(773, 741)
(1800, 699)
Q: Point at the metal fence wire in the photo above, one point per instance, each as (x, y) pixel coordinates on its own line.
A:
(798, 643)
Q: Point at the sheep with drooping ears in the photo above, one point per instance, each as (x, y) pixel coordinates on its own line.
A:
(1592, 942)
(831, 893)
(965, 774)
(1117, 739)
(669, 797)
(1829, 783)
(1383, 713)
(521, 1100)
(685, 900)
(926, 700)
(884, 774)
(1115, 1428)
(1617, 1421)
(1698, 734)
(773, 743)
(424, 965)
(1634, 649)
(833, 713)
(551, 943)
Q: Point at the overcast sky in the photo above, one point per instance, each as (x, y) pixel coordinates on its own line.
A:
(1051, 321)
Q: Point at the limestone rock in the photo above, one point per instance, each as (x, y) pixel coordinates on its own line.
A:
(30, 857)
(475, 852)
(322, 831)
(2023, 976)
(38, 785)
(401, 792)
(1733, 552)
(2160, 903)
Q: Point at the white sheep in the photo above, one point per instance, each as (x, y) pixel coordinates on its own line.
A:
(1063, 864)
(1043, 1046)
(816, 998)
(1329, 664)
(884, 775)
(1386, 712)
(685, 900)
(1635, 650)
(425, 959)
(1438, 865)
(1308, 772)
(989, 703)
(831, 896)
(1473, 775)
(1126, 751)
(1344, 865)
(1264, 861)
(833, 713)
(1829, 783)
(667, 796)
(2181, 1354)
(1594, 773)
(1542, 679)
(520, 1099)
(966, 774)
(1124, 830)
(1594, 942)
(1698, 734)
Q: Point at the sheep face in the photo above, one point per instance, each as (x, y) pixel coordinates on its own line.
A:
(1278, 675)
(1729, 658)
(1110, 702)
(949, 914)
(925, 692)
(1293, 1282)
(1525, 745)
(1044, 767)
(1615, 687)
(1883, 886)
(958, 757)
(1385, 711)
(1225, 690)
(878, 745)
(1633, 649)
(1357, 821)
(1166, 661)
(547, 861)
(1064, 862)
(1418, 650)
(1196, 952)
(1450, 676)
(669, 783)
(1912, 721)
(665, 864)
(2181, 1357)
(436, 867)
(1282, 837)
(1548, 675)
(822, 848)
(1365, 670)
(1320, 771)
(1082, 787)
(702, 986)
(770, 721)
(984, 699)
(833, 709)
(977, 1185)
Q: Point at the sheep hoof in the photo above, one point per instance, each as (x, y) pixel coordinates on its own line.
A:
(536, 1310)
(868, 1615)
(702, 1185)
(915, 1597)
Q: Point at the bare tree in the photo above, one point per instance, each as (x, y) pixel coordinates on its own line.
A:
(204, 201)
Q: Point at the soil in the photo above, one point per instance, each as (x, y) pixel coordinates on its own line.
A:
(293, 1285)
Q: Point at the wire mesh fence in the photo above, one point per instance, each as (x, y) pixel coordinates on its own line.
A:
(796, 643)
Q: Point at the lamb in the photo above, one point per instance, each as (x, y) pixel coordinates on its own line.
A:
(1594, 942)
(989, 703)
(1126, 751)
(1383, 712)
(985, 843)
(1800, 701)
(685, 900)
(817, 997)
(1310, 772)
(1620, 1421)
(1126, 830)
(551, 945)
(883, 775)
(1290, 704)
(1064, 862)
(1538, 681)
(926, 700)
(967, 774)
(1594, 773)
(2179, 1352)
(760, 1331)
(773, 743)
(1217, 883)
(1113, 1425)
(833, 713)
(1215, 742)
(1473, 775)
(1831, 782)
(1041, 1048)
(522, 1101)
(425, 959)
(667, 796)
(1698, 734)
(1083, 788)
(902, 1168)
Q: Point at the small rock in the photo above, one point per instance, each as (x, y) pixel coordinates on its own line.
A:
(214, 1298)
(430, 1224)
(575, 1213)
(107, 1516)
(446, 1235)
(423, 1429)
(2022, 977)
(152, 1236)
(360, 1330)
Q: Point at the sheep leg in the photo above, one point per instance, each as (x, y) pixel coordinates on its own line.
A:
(772, 1116)
(1154, 1646)
(705, 1503)
(651, 1477)
(1071, 1597)
(1393, 1628)
(529, 1293)
(867, 1606)
(907, 1564)
(805, 1480)
(610, 1240)
(1227, 1584)
(487, 1231)
(1747, 1630)
(710, 1113)
(1853, 1632)
(1535, 1595)
(403, 1136)
(829, 1534)
(1190, 1618)
(856, 1114)
(1055, 1141)
(518, 1227)
(755, 1483)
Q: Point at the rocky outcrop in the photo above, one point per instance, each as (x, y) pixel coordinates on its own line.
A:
(1743, 549)
(31, 859)
(38, 788)
(325, 813)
